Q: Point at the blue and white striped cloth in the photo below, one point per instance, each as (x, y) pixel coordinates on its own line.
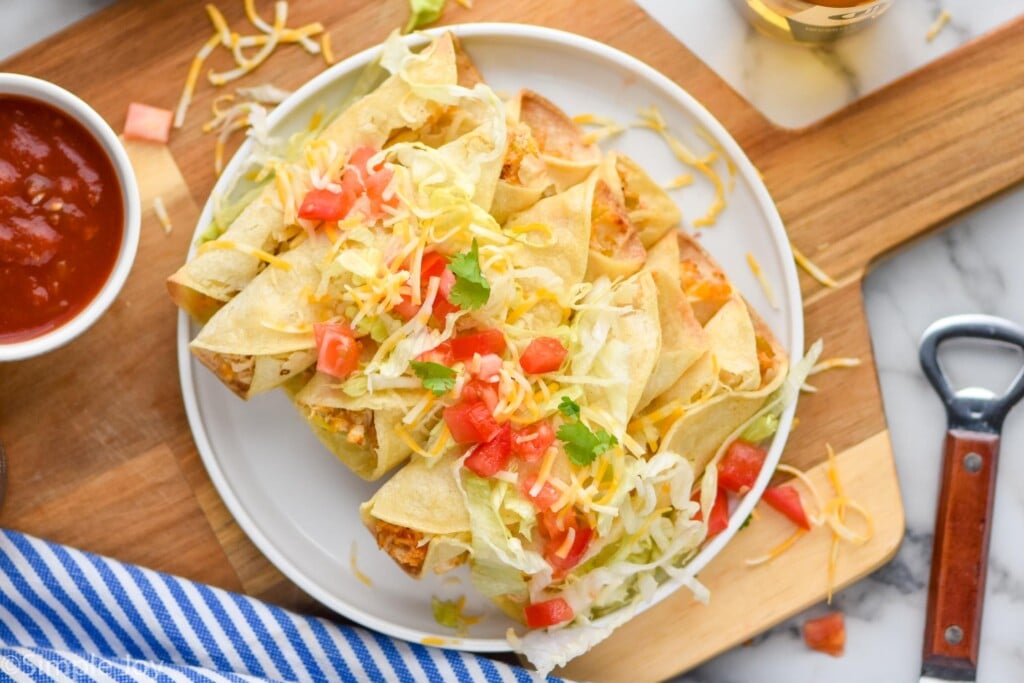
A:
(71, 615)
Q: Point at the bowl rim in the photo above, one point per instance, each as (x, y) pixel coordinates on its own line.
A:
(30, 87)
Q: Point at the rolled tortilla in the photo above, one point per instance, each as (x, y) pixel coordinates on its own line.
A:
(703, 428)
(362, 431)
(615, 247)
(213, 277)
(566, 154)
(743, 366)
(419, 518)
(651, 211)
(552, 236)
(265, 335)
(683, 340)
(524, 178)
(626, 348)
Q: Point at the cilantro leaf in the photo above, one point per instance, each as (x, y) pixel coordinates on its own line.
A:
(747, 521)
(582, 445)
(569, 407)
(436, 377)
(471, 289)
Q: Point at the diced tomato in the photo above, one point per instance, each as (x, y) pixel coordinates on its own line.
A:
(489, 458)
(548, 613)
(826, 634)
(488, 368)
(471, 422)
(562, 565)
(406, 309)
(550, 525)
(337, 349)
(356, 181)
(485, 392)
(351, 186)
(719, 517)
(441, 354)
(786, 500)
(359, 156)
(375, 184)
(546, 497)
(442, 305)
(530, 442)
(147, 123)
(433, 265)
(324, 205)
(738, 470)
(543, 354)
(371, 181)
(487, 341)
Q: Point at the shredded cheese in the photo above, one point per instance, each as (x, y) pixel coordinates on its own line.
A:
(831, 513)
(680, 181)
(193, 76)
(356, 572)
(606, 127)
(161, 214)
(247, 65)
(409, 441)
(812, 268)
(939, 24)
(267, 40)
(777, 550)
(325, 48)
(570, 539)
(762, 280)
(651, 118)
(806, 481)
(545, 471)
(832, 363)
(442, 441)
(245, 249)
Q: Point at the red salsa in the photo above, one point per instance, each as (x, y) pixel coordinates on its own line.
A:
(61, 218)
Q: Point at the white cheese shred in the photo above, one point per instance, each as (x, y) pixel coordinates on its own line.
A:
(161, 214)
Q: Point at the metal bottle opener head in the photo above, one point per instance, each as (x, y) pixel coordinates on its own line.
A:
(971, 408)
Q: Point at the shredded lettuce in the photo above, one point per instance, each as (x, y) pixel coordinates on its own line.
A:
(226, 211)
(422, 13)
(761, 429)
(448, 613)
(646, 544)
(489, 528)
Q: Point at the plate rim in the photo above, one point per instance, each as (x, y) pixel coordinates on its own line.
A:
(793, 300)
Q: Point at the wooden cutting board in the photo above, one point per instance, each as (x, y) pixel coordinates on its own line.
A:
(100, 453)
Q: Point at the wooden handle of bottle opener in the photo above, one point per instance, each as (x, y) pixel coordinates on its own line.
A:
(960, 554)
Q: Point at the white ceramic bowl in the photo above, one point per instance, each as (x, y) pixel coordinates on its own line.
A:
(299, 504)
(43, 91)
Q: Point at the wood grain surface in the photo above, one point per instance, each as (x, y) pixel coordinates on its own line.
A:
(100, 453)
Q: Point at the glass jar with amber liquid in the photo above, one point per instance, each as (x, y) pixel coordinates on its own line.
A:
(811, 23)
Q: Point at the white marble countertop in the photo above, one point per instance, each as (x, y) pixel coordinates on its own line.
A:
(971, 267)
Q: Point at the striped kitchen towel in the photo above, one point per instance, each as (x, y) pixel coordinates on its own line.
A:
(71, 615)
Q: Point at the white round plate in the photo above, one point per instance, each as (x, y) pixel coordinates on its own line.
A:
(298, 504)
